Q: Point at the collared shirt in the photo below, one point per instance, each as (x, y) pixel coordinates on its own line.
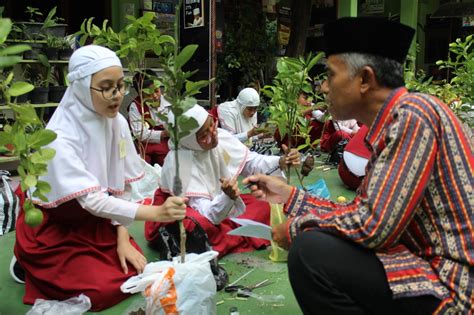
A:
(414, 207)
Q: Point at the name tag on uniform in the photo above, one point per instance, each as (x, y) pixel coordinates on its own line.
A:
(122, 149)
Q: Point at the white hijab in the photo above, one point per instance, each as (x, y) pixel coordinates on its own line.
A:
(93, 152)
(231, 113)
(201, 170)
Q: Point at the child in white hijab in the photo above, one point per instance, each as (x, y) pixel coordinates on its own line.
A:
(210, 161)
(81, 247)
(239, 117)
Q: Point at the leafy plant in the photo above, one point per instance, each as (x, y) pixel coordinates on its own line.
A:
(179, 91)
(33, 13)
(458, 92)
(291, 79)
(26, 136)
(461, 63)
(51, 19)
(132, 43)
(39, 74)
(247, 54)
(54, 41)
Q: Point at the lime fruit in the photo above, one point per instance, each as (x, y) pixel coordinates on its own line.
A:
(341, 199)
(33, 217)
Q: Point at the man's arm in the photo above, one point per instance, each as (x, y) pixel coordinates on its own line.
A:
(394, 187)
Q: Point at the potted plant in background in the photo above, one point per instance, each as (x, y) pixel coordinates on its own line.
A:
(57, 86)
(65, 47)
(52, 25)
(37, 75)
(458, 92)
(32, 28)
(51, 49)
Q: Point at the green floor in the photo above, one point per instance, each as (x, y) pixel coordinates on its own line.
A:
(236, 265)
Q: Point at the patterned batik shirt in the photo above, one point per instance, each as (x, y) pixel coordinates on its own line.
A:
(415, 205)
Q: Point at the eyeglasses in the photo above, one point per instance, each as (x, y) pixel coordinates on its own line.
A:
(110, 93)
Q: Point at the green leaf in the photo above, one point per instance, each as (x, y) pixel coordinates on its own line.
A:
(8, 61)
(43, 187)
(20, 88)
(30, 180)
(5, 138)
(5, 28)
(14, 50)
(40, 195)
(19, 141)
(43, 156)
(186, 123)
(42, 138)
(195, 87)
(27, 113)
(184, 56)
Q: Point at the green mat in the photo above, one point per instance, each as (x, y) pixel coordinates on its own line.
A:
(236, 265)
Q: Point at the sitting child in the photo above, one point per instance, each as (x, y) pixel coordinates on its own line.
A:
(145, 107)
(210, 160)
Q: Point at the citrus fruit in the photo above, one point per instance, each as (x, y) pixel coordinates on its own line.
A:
(33, 217)
(341, 199)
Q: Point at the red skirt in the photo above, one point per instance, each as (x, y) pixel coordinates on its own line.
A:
(156, 152)
(70, 253)
(221, 242)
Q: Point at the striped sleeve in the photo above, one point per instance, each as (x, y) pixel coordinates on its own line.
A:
(394, 187)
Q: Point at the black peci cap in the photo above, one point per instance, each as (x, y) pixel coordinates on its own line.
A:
(368, 35)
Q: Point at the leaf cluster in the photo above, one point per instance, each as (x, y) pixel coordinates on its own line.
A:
(26, 135)
(132, 43)
(291, 79)
(247, 52)
(458, 92)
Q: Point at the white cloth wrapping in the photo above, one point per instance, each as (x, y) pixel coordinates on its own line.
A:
(93, 153)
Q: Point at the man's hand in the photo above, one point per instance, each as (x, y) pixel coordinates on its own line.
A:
(270, 188)
(291, 157)
(230, 187)
(279, 236)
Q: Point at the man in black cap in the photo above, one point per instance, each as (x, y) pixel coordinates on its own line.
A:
(404, 245)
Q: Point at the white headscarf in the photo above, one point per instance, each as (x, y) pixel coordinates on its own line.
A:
(93, 152)
(201, 170)
(231, 113)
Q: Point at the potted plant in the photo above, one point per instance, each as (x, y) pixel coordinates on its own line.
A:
(64, 47)
(26, 136)
(37, 75)
(32, 27)
(53, 44)
(52, 25)
(57, 88)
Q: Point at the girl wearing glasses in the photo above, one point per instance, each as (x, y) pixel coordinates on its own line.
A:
(82, 245)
